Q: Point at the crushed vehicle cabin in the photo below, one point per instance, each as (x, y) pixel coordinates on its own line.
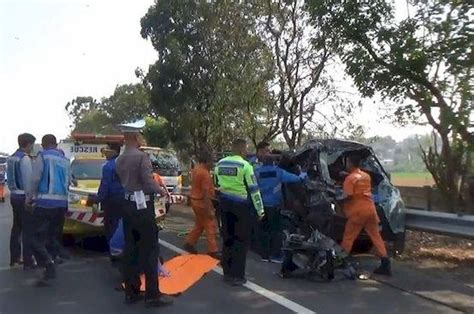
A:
(316, 200)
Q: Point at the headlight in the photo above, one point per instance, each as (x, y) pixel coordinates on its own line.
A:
(74, 198)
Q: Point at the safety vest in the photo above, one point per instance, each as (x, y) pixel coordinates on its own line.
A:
(236, 181)
(15, 179)
(54, 183)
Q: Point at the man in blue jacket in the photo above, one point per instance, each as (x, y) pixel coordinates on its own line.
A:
(19, 184)
(111, 192)
(50, 186)
(270, 178)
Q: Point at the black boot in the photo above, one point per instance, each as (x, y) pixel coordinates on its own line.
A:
(132, 294)
(50, 272)
(385, 268)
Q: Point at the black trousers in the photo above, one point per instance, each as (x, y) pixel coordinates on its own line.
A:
(141, 248)
(236, 219)
(271, 233)
(21, 233)
(55, 242)
(46, 223)
(288, 266)
(112, 214)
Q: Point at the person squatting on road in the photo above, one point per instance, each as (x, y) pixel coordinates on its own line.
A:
(141, 253)
(202, 194)
(270, 178)
(238, 196)
(361, 213)
(19, 183)
(110, 194)
(49, 197)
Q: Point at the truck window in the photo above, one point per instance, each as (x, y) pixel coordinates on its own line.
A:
(87, 169)
(165, 162)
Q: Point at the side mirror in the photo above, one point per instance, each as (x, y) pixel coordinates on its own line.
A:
(73, 180)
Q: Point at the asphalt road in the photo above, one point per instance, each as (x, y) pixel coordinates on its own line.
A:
(86, 284)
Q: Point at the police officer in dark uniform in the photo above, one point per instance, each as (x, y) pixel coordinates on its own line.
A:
(141, 232)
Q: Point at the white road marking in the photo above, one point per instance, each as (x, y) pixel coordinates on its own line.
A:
(293, 306)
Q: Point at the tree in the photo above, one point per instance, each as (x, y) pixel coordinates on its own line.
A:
(299, 68)
(128, 103)
(156, 132)
(423, 63)
(211, 72)
(80, 107)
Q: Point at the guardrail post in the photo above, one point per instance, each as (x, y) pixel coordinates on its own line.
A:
(429, 195)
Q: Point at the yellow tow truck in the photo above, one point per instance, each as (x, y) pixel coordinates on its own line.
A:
(84, 216)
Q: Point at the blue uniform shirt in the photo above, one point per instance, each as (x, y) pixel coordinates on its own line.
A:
(110, 185)
(269, 179)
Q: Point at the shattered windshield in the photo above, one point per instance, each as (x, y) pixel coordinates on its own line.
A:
(326, 159)
(163, 159)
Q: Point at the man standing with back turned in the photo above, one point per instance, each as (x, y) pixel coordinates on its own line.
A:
(141, 232)
(238, 192)
(50, 188)
(361, 213)
(19, 183)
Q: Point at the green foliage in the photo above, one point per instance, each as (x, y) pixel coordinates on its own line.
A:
(210, 78)
(95, 121)
(128, 103)
(79, 108)
(423, 62)
(156, 132)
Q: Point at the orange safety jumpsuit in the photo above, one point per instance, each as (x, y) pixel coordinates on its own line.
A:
(2, 191)
(361, 212)
(202, 191)
(158, 179)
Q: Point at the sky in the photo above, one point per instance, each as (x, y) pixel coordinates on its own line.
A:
(54, 50)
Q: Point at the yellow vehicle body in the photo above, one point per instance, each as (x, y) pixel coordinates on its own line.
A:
(85, 218)
(75, 227)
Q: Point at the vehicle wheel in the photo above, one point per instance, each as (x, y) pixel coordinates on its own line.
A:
(398, 245)
(68, 240)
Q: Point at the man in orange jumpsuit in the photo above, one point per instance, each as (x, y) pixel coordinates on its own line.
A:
(202, 193)
(3, 167)
(361, 213)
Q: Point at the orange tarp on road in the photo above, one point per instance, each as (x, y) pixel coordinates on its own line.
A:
(185, 271)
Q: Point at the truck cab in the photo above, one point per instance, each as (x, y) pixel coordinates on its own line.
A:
(166, 164)
(84, 216)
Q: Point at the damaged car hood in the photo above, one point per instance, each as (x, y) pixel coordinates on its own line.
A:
(326, 153)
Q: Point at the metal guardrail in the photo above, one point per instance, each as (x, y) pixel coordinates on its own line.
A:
(455, 225)
(461, 226)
